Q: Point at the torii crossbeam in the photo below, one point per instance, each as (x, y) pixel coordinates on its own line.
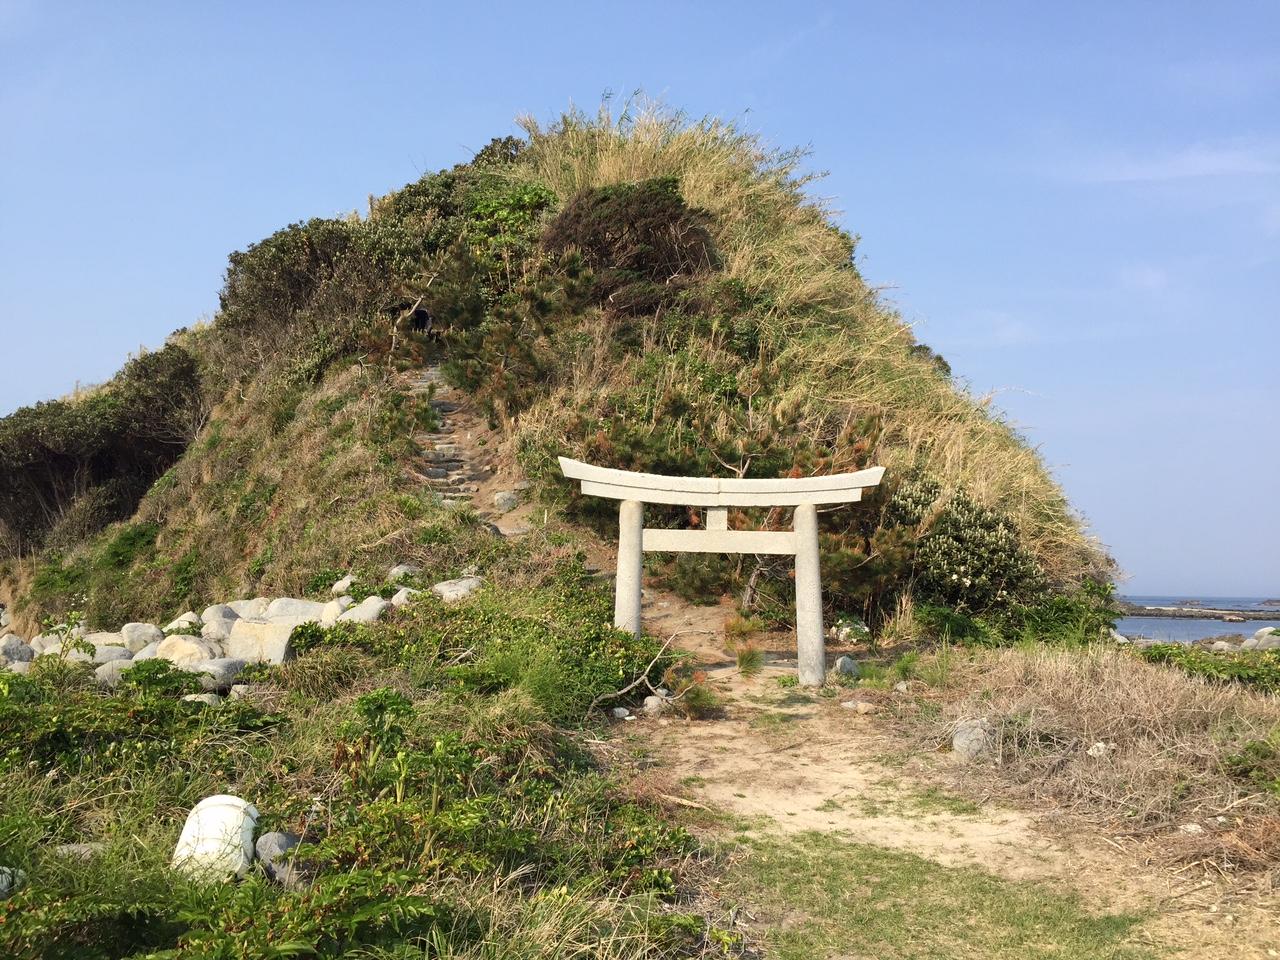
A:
(717, 495)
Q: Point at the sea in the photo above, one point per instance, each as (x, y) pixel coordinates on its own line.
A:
(1188, 630)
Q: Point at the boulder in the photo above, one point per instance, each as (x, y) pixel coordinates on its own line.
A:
(848, 666)
(300, 611)
(257, 642)
(104, 639)
(402, 571)
(208, 699)
(184, 623)
(107, 654)
(135, 636)
(19, 666)
(1222, 646)
(504, 501)
(219, 611)
(183, 650)
(334, 609)
(366, 611)
(147, 653)
(239, 691)
(11, 878)
(620, 713)
(217, 839)
(1268, 638)
(654, 704)
(71, 653)
(272, 849)
(971, 738)
(5, 619)
(451, 591)
(111, 672)
(79, 851)
(41, 641)
(254, 609)
(403, 596)
(218, 629)
(342, 586)
(14, 649)
(217, 674)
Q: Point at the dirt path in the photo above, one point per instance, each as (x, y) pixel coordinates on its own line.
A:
(791, 760)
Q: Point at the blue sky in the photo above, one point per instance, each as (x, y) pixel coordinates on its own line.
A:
(1077, 204)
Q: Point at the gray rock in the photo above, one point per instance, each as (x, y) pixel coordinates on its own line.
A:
(654, 704)
(971, 738)
(208, 699)
(19, 666)
(104, 639)
(366, 611)
(402, 571)
(217, 629)
(14, 649)
(219, 611)
(504, 501)
(109, 673)
(182, 650)
(70, 653)
(901, 687)
(41, 641)
(146, 653)
(452, 591)
(184, 624)
(1268, 638)
(254, 609)
(217, 674)
(11, 878)
(257, 642)
(342, 586)
(1222, 646)
(847, 666)
(1119, 638)
(240, 691)
(620, 713)
(273, 849)
(301, 610)
(403, 596)
(860, 706)
(138, 635)
(5, 619)
(334, 609)
(79, 851)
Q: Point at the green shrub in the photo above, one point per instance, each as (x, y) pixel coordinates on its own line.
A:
(1252, 668)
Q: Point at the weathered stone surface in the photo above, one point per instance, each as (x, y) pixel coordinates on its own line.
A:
(1268, 638)
(848, 666)
(403, 596)
(55, 650)
(14, 648)
(11, 878)
(402, 571)
(217, 674)
(972, 738)
(254, 609)
(301, 610)
(901, 687)
(41, 641)
(217, 839)
(185, 623)
(366, 611)
(239, 691)
(340, 587)
(182, 650)
(219, 611)
(256, 641)
(273, 849)
(451, 591)
(218, 629)
(504, 501)
(620, 713)
(208, 699)
(135, 636)
(79, 851)
(19, 666)
(103, 638)
(109, 673)
(654, 704)
(1224, 646)
(106, 654)
(147, 653)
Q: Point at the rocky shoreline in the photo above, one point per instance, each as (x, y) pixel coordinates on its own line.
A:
(1198, 613)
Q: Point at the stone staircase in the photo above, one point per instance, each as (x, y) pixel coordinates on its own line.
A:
(456, 462)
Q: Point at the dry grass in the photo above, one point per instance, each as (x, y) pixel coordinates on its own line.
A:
(845, 355)
(1165, 735)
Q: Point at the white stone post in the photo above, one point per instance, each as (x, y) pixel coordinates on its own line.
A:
(626, 596)
(809, 647)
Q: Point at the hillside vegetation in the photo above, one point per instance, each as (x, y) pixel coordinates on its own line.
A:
(644, 292)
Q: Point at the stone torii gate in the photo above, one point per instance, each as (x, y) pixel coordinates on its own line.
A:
(805, 494)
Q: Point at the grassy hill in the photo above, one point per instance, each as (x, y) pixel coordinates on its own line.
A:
(646, 292)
